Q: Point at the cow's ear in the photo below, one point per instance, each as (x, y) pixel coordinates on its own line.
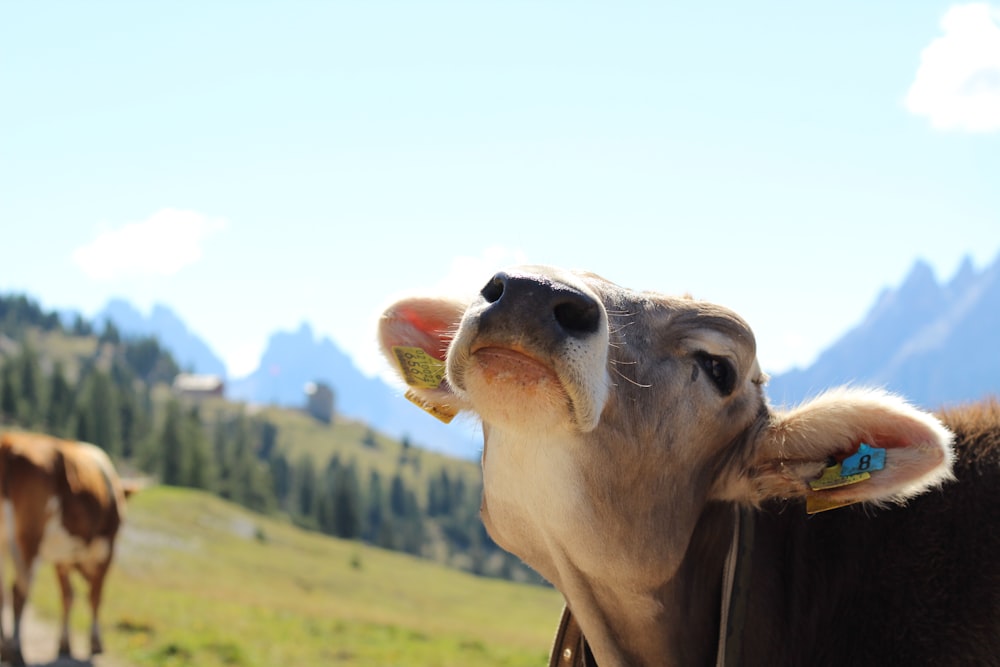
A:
(850, 446)
(414, 335)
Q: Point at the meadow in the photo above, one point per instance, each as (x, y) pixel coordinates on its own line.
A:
(199, 581)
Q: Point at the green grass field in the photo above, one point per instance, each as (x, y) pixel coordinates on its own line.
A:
(198, 581)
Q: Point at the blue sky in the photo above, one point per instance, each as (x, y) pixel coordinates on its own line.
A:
(256, 165)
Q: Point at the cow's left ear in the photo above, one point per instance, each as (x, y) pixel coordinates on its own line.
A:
(414, 335)
(849, 446)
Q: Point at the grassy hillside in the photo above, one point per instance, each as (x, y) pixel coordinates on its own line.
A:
(201, 582)
(352, 441)
(355, 441)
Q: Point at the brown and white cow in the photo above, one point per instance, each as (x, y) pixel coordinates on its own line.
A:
(63, 503)
(631, 458)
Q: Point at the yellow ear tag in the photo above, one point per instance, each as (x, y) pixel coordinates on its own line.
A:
(419, 369)
(422, 371)
(443, 412)
(816, 503)
(831, 478)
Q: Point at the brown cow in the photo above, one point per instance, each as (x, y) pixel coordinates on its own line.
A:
(63, 503)
(631, 458)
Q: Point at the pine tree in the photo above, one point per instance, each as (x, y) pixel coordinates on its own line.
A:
(439, 495)
(346, 504)
(447, 502)
(248, 481)
(268, 433)
(81, 327)
(397, 496)
(326, 515)
(200, 468)
(131, 420)
(9, 387)
(173, 457)
(374, 508)
(411, 528)
(281, 474)
(60, 403)
(98, 419)
(368, 439)
(222, 454)
(240, 463)
(110, 334)
(305, 489)
(143, 355)
(30, 400)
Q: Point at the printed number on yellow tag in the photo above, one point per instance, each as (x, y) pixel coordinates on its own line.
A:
(419, 369)
(831, 479)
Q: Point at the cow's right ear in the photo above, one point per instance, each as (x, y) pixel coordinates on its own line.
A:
(850, 446)
(414, 335)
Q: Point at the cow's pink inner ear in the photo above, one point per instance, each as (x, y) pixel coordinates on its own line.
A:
(434, 329)
(425, 323)
(900, 433)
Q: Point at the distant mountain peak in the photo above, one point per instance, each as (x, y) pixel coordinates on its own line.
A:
(933, 344)
(965, 278)
(965, 269)
(190, 351)
(161, 311)
(920, 277)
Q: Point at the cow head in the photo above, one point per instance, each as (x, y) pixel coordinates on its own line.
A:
(612, 418)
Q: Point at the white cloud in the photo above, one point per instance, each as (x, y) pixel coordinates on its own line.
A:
(467, 275)
(782, 350)
(243, 358)
(163, 244)
(957, 86)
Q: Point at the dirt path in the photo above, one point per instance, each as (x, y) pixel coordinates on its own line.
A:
(40, 641)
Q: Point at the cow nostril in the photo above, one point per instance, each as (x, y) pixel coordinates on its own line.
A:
(529, 300)
(493, 290)
(578, 315)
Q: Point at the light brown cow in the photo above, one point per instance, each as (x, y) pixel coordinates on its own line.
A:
(62, 503)
(628, 445)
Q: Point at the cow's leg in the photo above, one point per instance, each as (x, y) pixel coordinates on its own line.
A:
(19, 592)
(95, 576)
(10, 650)
(25, 551)
(6, 512)
(6, 538)
(66, 586)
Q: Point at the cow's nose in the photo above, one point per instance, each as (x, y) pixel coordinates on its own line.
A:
(540, 300)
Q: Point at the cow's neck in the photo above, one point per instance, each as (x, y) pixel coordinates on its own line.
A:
(676, 624)
(645, 589)
(673, 624)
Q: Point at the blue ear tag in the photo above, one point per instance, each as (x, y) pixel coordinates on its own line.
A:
(866, 459)
(854, 469)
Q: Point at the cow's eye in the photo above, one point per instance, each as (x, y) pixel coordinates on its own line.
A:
(720, 371)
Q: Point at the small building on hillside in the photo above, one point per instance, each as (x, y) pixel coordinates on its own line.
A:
(193, 385)
(319, 401)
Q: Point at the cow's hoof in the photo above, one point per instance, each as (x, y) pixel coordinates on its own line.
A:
(64, 651)
(11, 655)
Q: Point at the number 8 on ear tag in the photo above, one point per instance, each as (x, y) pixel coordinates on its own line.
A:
(866, 459)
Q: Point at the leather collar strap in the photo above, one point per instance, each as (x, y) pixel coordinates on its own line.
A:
(569, 649)
(735, 588)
